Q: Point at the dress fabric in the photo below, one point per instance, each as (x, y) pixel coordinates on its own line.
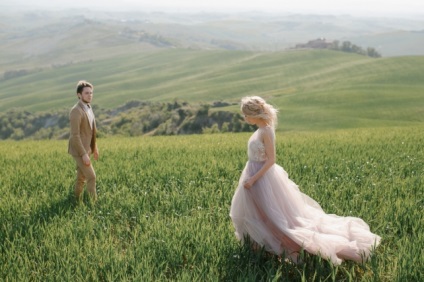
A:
(276, 215)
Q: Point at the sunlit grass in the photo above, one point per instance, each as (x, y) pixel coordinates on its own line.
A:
(164, 202)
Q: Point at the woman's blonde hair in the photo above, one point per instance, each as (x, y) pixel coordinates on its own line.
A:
(256, 107)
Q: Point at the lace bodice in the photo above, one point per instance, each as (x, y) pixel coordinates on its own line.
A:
(256, 147)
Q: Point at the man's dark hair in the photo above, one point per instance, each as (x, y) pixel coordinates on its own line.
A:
(81, 84)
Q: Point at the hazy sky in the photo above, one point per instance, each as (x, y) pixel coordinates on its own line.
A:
(376, 7)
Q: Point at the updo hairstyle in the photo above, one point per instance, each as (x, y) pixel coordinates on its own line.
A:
(256, 107)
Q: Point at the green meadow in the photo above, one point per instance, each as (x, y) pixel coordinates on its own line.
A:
(162, 213)
(313, 89)
(350, 134)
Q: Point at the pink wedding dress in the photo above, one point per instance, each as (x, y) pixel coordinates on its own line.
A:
(276, 215)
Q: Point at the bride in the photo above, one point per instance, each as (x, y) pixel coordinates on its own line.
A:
(273, 213)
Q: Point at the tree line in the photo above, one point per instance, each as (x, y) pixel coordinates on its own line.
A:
(345, 46)
(135, 118)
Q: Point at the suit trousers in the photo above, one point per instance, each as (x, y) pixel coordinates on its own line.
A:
(85, 173)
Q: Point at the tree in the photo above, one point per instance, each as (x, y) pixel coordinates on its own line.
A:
(373, 53)
(346, 46)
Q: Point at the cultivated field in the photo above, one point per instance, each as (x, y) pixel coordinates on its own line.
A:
(164, 203)
(313, 89)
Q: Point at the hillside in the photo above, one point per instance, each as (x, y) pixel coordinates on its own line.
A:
(208, 57)
(37, 39)
(312, 89)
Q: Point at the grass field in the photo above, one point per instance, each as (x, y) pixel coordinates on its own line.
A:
(164, 202)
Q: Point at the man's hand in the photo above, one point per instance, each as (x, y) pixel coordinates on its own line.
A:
(86, 160)
(96, 154)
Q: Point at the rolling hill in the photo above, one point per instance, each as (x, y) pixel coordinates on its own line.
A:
(209, 57)
(34, 39)
(313, 89)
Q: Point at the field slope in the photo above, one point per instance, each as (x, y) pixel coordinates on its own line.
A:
(312, 89)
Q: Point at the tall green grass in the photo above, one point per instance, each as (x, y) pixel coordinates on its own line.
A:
(164, 202)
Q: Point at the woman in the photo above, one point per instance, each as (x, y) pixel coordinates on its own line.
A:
(270, 210)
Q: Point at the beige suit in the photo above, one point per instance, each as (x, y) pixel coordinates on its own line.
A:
(82, 140)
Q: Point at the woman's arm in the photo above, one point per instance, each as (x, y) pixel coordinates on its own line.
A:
(268, 139)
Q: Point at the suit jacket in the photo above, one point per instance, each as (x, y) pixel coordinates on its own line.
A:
(82, 138)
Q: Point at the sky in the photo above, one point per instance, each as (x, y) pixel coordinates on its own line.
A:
(353, 7)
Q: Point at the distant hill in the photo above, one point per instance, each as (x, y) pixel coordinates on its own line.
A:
(34, 39)
(313, 89)
(395, 43)
(215, 58)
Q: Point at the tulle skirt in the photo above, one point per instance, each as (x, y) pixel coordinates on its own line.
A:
(274, 214)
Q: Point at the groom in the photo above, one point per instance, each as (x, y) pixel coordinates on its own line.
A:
(82, 140)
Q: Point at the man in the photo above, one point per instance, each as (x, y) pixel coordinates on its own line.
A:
(82, 140)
